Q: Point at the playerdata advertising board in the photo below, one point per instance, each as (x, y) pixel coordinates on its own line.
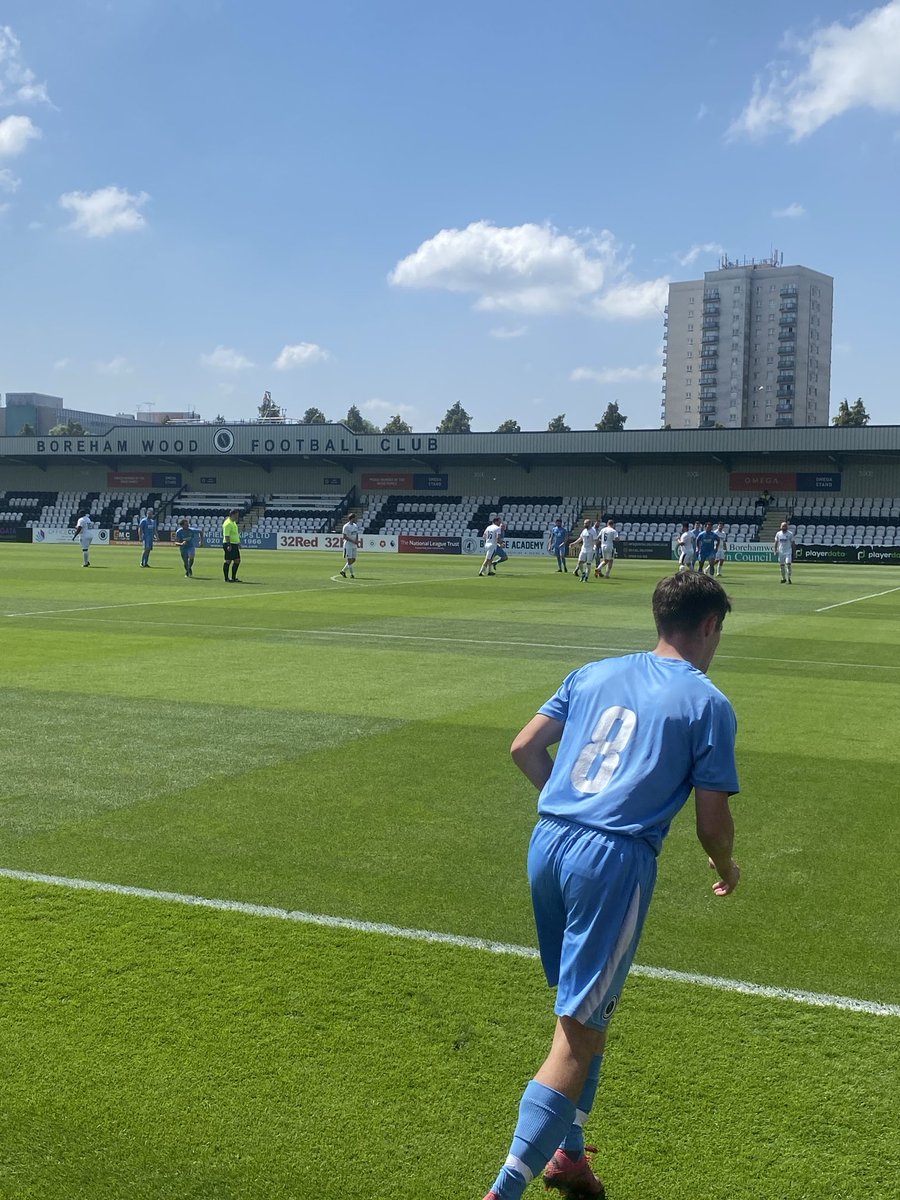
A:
(878, 556)
(14, 533)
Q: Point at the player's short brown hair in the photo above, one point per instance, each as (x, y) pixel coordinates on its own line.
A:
(682, 602)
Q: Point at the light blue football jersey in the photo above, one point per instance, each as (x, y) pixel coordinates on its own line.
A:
(640, 732)
(188, 539)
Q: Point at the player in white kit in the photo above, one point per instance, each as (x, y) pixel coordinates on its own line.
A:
(721, 549)
(688, 549)
(491, 538)
(350, 535)
(84, 531)
(588, 538)
(783, 549)
(608, 539)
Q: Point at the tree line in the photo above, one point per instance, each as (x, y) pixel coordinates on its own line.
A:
(455, 420)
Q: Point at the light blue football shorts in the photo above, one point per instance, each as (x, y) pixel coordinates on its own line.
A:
(590, 892)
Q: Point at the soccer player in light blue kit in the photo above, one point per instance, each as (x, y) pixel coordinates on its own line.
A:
(635, 735)
(557, 543)
(188, 538)
(147, 531)
(707, 545)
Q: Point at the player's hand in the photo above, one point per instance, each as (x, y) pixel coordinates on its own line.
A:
(729, 880)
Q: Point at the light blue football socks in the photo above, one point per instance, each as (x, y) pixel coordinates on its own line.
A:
(573, 1142)
(545, 1116)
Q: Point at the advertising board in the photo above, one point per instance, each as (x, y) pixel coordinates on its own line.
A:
(638, 549)
(784, 481)
(412, 543)
(876, 556)
(55, 537)
(379, 543)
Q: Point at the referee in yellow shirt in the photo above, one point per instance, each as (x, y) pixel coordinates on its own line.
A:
(231, 544)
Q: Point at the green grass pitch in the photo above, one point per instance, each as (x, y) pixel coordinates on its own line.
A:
(341, 748)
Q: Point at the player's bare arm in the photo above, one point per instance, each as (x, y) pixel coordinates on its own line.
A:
(530, 750)
(715, 832)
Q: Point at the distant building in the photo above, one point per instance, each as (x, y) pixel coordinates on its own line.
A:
(169, 418)
(41, 413)
(748, 346)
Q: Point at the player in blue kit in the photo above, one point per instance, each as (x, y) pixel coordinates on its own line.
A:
(635, 735)
(147, 532)
(707, 545)
(188, 538)
(557, 543)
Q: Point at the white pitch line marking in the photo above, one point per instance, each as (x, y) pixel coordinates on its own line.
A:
(797, 996)
(871, 596)
(62, 612)
(458, 641)
(300, 591)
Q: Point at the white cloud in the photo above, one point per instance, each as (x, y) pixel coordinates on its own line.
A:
(522, 268)
(649, 371)
(846, 67)
(701, 112)
(505, 332)
(108, 210)
(223, 358)
(8, 181)
(385, 406)
(698, 249)
(115, 366)
(15, 134)
(18, 84)
(299, 355)
(60, 364)
(634, 301)
(792, 210)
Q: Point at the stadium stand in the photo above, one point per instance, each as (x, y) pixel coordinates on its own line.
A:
(300, 513)
(59, 510)
(458, 516)
(828, 520)
(526, 516)
(847, 520)
(660, 518)
(207, 511)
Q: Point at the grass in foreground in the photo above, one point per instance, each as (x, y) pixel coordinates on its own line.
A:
(342, 748)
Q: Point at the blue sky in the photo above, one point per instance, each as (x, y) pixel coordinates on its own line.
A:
(401, 205)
